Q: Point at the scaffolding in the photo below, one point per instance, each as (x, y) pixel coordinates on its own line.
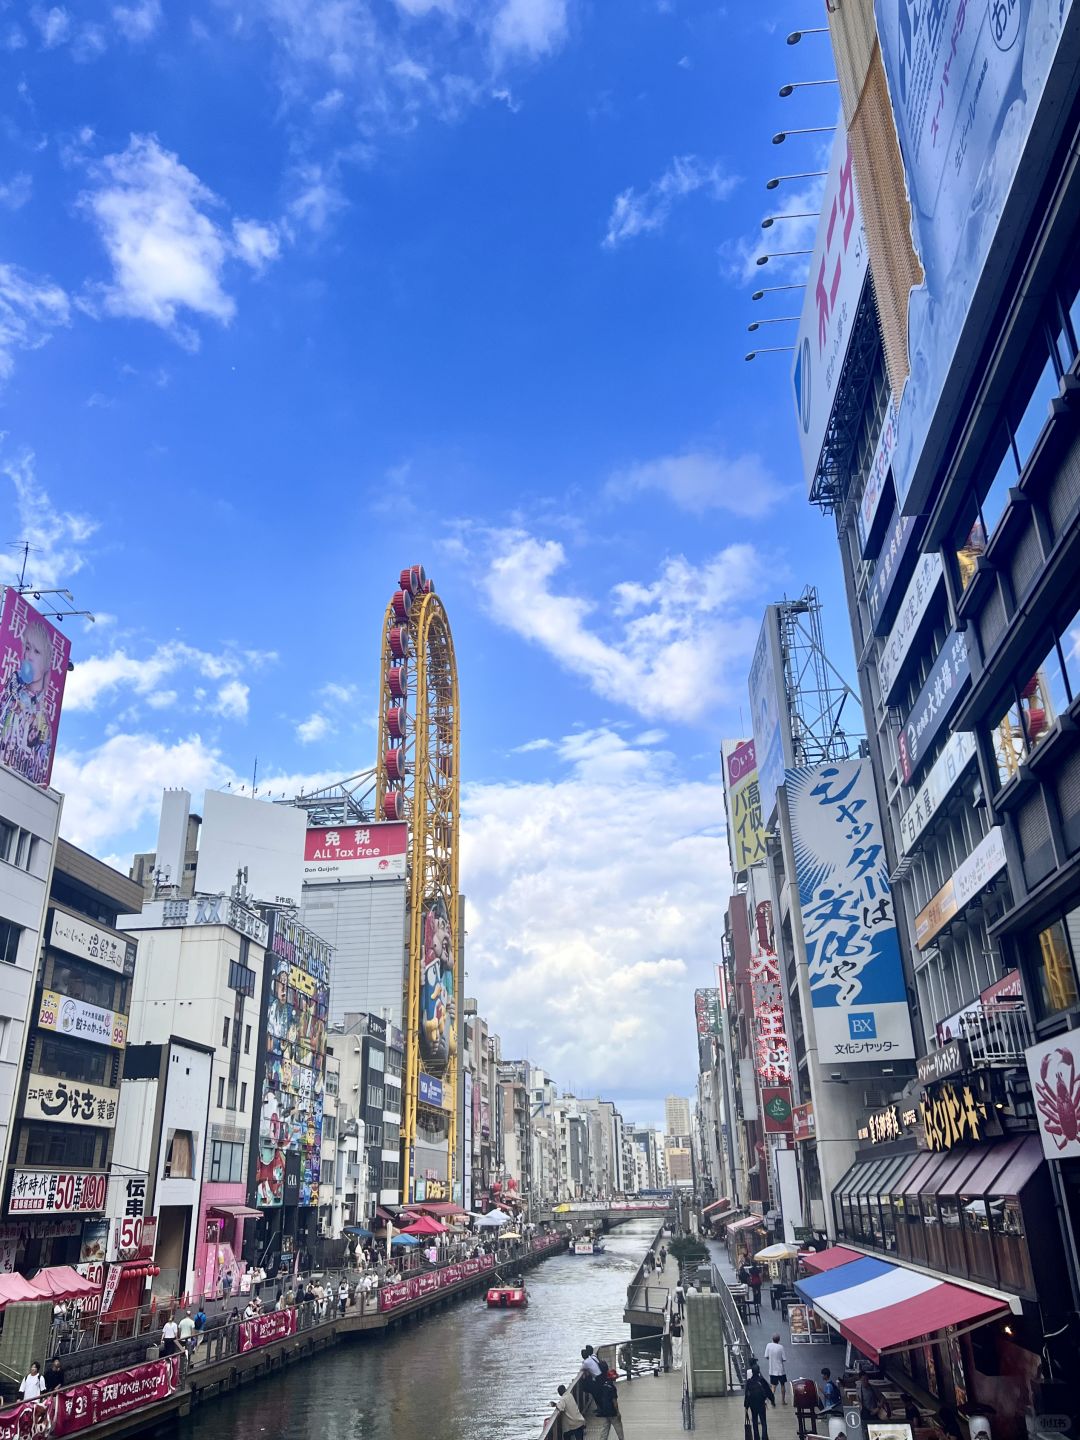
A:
(816, 691)
(346, 802)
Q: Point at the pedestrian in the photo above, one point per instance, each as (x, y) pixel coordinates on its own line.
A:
(663, 1257)
(251, 1309)
(301, 1294)
(776, 1364)
(200, 1319)
(607, 1405)
(342, 1296)
(226, 1286)
(756, 1395)
(590, 1372)
(680, 1297)
(573, 1422)
(170, 1333)
(675, 1331)
(831, 1398)
(755, 1282)
(743, 1274)
(54, 1375)
(869, 1404)
(186, 1332)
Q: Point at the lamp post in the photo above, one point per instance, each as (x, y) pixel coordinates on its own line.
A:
(780, 255)
(786, 90)
(770, 220)
(770, 350)
(769, 289)
(802, 175)
(782, 135)
(797, 35)
(770, 320)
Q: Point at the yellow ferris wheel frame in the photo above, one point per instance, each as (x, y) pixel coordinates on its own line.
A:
(431, 798)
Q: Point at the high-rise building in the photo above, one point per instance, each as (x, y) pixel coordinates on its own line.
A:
(676, 1115)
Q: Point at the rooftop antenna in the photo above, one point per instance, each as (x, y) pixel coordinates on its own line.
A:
(61, 605)
(254, 774)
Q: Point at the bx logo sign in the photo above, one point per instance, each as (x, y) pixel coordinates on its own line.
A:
(862, 1027)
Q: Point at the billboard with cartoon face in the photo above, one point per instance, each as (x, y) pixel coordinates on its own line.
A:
(34, 658)
(437, 1000)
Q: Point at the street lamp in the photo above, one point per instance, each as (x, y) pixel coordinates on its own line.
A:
(780, 255)
(769, 350)
(802, 175)
(796, 35)
(770, 320)
(770, 220)
(786, 90)
(768, 289)
(782, 135)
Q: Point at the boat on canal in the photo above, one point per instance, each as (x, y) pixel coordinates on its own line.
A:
(588, 1244)
(507, 1297)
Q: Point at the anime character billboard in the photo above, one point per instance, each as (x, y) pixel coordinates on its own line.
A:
(438, 1011)
(34, 658)
(294, 1065)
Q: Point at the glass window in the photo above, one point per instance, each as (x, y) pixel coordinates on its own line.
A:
(329, 1127)
(179, 1163)
(1051, 967)
(221, 1091)
(247, 1039)
(243, 1094)
(1007, 739)
(226, 1161)
(80, 982)
(326, 1174)
(24, 854)
(1074, 319)
(376, 1059)
(969, 542)
(60, 1145)
(9, 942)
(241, 978)
(7, 839)
(1070, 653)
(1010, 1244)
(1030, 425)
(225, 1032)
(997, 494)
(71, 1059)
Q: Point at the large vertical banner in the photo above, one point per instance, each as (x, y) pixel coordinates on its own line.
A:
(772, 1053)
(297, 987)
(34, 658)
(467, 1142)
(857, 985)
(746, 831)
(769, 712)
(966, 81)
(438, 1030)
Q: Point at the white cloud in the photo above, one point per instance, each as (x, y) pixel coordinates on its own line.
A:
(99, 676)
(14, 193)
(168, 252)
(139, 21)
(702, 480)
(642, 212)
(596, 899)
(338, 694)
(530, 28)
(531, 745)
(57, 538)
(316, 197)
(30, 309)
(256, 244)
(53, 24)
(232, 700)
(315, 727)
(739, 256)
(678, 645)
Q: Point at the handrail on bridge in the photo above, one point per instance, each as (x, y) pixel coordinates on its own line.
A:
(639, 1275)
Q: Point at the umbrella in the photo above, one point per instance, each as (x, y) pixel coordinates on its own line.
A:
(404, 1240)
(778, 1252)
(357, 1230)
(510, 1235)
(492, 1218)
(425, 1225)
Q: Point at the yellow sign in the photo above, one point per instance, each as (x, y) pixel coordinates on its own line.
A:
(301, 980)
(950, 1115)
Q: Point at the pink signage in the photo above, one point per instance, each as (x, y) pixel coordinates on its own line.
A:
(34, 659)
(264, 1329)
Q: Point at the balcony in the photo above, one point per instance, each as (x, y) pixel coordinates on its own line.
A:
(996, 1035)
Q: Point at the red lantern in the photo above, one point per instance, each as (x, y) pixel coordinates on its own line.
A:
(402, 603)
(1036, 723)
(1029, 689)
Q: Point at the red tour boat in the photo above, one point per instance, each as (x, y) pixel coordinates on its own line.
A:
(507, 1297)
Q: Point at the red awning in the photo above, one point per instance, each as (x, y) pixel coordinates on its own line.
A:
(748, 1223)
(895, 1326)
(425, 1225)
(236, 1212)
(14, 1288)
(722, 1204)
(436, 1207)
(61, 1282)
(819, 1261)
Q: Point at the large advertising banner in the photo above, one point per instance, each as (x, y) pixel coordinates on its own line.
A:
(351, 852)
(707, 1011)
(64, 1192)
(86, 1022)
(934, 704)
(772, 1052)
(34, 658)
(746, 831)
(64, 1102)
(265, 1329)
(438, 1031)
(297, 1006)
(856, 976)
(965, 81)
(1054, 1072)
(834, 284)
(769, 712)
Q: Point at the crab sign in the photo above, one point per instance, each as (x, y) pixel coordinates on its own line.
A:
(1057, 1097)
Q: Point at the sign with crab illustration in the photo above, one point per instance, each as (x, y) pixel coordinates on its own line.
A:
(1054, 1071)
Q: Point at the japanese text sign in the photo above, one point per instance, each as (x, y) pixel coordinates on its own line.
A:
(746, 829)
(936, 702)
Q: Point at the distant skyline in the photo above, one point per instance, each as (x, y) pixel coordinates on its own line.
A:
(292, 295)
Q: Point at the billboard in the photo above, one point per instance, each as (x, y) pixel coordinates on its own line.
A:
(86, 1022)
(970, 876)
(92, 942)
(707, 1011)
(877, 476)
(776, 1109)
(772, 1053)
(1054, 1072)
(295, 1010)
(34, 658)
(430, 1091)
(965, 83)
(935, 703)
(240, 833)
(355, 852)
(936, 787)
(901, 532)
(928, 574)
(438, 1032)
(769, 712)
(857, 988)
(746, 832)
(58, 1192)
(834, 284)
(66, 1102)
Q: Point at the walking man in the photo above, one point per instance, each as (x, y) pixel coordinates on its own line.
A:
(680, 1296)
(607, 1405)
(591, 1373)
(573, 1424)
(342, 1296)
(756, 1395)
(776, 1364)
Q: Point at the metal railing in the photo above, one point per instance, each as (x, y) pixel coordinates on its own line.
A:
(740, 1351)
(648, 1355)
(639, 1276)
(996, 1034)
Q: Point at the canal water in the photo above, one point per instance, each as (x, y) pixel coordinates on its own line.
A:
(466, 1373)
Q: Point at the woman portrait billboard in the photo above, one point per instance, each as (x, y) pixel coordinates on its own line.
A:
(437, 1008)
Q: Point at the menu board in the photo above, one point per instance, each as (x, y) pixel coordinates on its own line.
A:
(807, 1326)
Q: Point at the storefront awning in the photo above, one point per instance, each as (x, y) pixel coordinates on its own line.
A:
(818, 1261)
(236, 1212)
(748, 1223)
(435, 1207)
(880, 1306)
(722, 1204)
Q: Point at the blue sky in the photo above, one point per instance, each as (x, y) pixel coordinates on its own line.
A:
(293, 294)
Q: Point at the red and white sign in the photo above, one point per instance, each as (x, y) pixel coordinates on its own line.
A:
(355, 852)
(112, 1280)
(263, 1329)
(803, 1124)
(133, 1237)
(78, 1192)
(80, 1406)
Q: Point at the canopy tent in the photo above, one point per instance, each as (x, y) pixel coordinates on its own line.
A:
(61, 1282)
(441, 1209)
(778, 1252)
(882, 1307)
(235, 1212)
(424, 1225)
(817, 1262)
(722, 1204)
(357, 1231)
(14, 1288)
(492, 1218)
(510, 1235)
(749, 1222)
(405, 1240)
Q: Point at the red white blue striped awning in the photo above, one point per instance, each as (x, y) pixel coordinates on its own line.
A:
(880, 1306)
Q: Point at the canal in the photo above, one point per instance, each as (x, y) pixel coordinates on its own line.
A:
(466, 1373)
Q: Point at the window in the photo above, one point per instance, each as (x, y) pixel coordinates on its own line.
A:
(243, 1094)
(60, 1145)
(225, 1032)
(242, 978)
(376, 1060)
(247, 1039)
(1030, 425)
(7, 839)
(326, 1174)
(9, 942)
(1070, 654)
(226, 1161)
(221, 1091)
(72, 1059)
(1050, 963)
(332, 1082)
(329, 1127)
(180, 1160)
(390, 1173)
(391, 1136)
(375, 1096)
(83, 982)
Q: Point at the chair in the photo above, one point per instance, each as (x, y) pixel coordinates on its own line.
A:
(753, 1309)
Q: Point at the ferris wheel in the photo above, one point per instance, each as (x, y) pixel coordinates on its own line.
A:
(418, 782)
